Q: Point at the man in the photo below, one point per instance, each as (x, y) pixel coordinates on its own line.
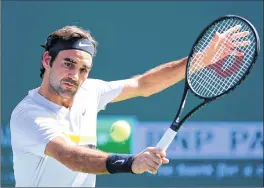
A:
(53, 129)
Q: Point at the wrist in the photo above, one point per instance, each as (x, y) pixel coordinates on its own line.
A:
(119, 163)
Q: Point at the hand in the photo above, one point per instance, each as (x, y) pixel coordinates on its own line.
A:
(149, 160)
(223, 45)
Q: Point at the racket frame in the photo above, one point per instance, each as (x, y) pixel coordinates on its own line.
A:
(257, 47)
(176, 123)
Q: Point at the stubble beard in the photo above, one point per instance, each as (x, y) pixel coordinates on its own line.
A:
(65, 93)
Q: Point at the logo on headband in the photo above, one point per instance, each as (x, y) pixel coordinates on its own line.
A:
(79, 44)
(82, 44)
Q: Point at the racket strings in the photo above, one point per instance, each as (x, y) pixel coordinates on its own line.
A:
(209, 35)
(234, 78)
(205, 43)
(216, 87)
(214, 80)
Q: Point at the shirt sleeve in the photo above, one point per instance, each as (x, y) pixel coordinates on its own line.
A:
(107, 92)
(32, 129)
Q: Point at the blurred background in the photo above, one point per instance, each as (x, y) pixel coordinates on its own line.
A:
(134, 37)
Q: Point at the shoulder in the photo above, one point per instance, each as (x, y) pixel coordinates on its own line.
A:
(101, 84)
(26, 110)
(92, 83)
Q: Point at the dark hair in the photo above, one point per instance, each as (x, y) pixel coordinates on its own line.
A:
(65, 33)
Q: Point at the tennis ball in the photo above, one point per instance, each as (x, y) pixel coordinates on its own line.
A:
(120, 131)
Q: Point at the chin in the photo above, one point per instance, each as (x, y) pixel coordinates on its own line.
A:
(68, 93)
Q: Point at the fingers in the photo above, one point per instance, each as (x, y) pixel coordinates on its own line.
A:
(225, 44)
(240, 44)
(232, 30)
(161, 154)
(152, 166)
(231, 50)
(165, 161)
(229, 46)
(158, 159)
(236, 36)
(157, 151)
(146, 162)
(149, 160)
(155, 158)
(234, 52)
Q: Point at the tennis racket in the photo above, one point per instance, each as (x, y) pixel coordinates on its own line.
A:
(220, 59)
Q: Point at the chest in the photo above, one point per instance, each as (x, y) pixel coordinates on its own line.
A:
(80, 122)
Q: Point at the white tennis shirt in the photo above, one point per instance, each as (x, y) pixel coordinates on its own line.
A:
(35, 121)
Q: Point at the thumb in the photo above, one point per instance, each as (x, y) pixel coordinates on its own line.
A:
(215, 41)
(217, 37)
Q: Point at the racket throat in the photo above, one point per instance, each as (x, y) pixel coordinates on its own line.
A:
(175, 126)
(176, 122)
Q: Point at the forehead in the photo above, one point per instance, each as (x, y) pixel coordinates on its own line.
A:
(76, 55)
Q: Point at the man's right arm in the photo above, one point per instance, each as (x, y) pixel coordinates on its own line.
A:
(77, 158)
(86, 160)
(37, 132)
(34, 130)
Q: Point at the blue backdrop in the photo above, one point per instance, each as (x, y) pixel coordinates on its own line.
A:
(133, 37)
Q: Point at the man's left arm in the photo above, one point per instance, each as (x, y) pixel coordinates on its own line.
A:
(154, 80)
(163, 76)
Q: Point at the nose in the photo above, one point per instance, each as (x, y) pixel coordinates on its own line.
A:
(74, 75)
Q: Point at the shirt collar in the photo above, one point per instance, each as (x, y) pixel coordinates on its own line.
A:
(34, 94)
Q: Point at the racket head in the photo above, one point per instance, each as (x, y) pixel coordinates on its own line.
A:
(217, 72)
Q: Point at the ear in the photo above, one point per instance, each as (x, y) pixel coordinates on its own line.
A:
(46, 60)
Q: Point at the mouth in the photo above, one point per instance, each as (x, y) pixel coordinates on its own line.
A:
(69, 84)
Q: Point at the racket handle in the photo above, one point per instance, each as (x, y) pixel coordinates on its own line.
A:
(167, 138)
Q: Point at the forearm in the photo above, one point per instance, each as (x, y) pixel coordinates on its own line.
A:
(162, 77)
(85, 160)
(82, 159)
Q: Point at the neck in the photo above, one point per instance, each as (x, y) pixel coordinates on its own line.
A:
(49, 93)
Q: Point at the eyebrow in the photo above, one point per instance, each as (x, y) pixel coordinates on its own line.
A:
(74, 62)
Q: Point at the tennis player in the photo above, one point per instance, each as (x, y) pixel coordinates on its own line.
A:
(53, 129)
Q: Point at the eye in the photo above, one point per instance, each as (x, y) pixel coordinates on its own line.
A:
(84, 70)
(67, 64)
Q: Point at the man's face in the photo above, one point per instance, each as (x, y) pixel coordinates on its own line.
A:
(69, 70)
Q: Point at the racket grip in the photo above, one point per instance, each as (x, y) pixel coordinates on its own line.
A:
(166, 139)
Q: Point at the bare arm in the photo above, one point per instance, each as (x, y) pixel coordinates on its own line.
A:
(154, 80)
(164, 76)
(77, 158)
(82, 159)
